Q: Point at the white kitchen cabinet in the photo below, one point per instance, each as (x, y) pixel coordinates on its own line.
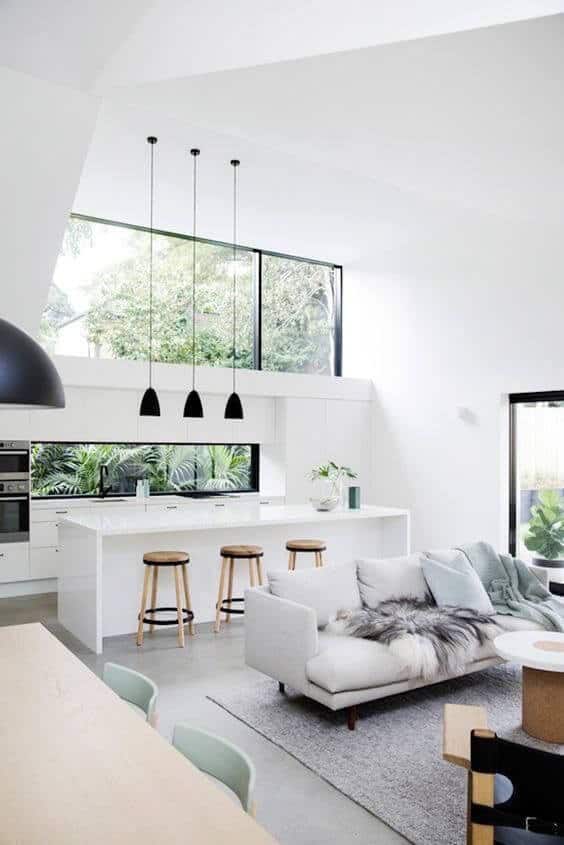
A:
(44, 534)
(14, 562)
(43, 562)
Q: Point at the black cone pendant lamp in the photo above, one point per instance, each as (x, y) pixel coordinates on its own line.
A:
(28, 378)
(150, 402)
(234, 408)
(193, 405)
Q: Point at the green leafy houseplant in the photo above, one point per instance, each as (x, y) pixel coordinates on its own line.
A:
(545, 535)
(333, 475)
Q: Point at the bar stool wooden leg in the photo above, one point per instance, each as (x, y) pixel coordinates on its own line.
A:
(259, 570)
(224, 564)
(230, 587)
(292, 561)
(187, 597)
(143, 604)
(154, 593)
(252, 578)
(179, 605)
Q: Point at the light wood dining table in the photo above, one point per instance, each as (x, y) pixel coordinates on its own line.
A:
(78, 766)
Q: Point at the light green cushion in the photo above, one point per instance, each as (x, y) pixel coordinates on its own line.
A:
(456, 584)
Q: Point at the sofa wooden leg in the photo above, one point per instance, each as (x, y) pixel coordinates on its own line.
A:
(281, 687)
(352, 716)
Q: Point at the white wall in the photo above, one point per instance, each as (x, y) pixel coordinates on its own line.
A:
(456, 324)
(45, 134)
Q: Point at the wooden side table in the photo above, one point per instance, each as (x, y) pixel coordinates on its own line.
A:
(541, 654)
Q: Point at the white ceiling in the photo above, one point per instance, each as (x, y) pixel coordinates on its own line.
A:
(359, 138)
(334, 146)
(125, 42)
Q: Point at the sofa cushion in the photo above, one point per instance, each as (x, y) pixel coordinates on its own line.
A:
(515, 623)
(348, 663)
(326, 589)
(456, 584)
(391, 578)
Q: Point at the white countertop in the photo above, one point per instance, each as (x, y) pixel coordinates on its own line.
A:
(254, 515)
(79, 502)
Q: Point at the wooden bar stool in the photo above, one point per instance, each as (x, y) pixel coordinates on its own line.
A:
(316, 547)
(153, 562)
(229, 554)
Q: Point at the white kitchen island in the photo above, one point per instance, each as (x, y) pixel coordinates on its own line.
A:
(101, 556)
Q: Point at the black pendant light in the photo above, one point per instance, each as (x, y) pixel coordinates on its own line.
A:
(150, 402)
(193, 405)
(28, 378)
(234, 408)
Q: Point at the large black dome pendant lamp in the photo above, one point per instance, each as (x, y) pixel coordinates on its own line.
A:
(193, 405)
(234, 408)
(28, 378)
(150, 402)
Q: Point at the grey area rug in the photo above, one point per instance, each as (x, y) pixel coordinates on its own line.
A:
(391, 764)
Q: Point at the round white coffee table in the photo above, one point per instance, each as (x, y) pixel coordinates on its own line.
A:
(541, 654)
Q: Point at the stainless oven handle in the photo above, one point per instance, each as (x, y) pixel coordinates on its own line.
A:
(13, 499)
(13, 452)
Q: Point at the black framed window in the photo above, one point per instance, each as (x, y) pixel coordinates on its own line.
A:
(288, 308)
(536, 459)
(73, 469)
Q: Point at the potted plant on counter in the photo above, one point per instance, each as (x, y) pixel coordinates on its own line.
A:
(545, 534)
(332, 476)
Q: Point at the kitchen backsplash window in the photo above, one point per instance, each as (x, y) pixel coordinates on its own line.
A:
(76, 469)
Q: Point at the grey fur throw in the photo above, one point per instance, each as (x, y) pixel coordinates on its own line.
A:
(429, 640)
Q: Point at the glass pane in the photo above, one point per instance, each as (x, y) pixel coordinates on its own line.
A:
(539, 456)
(98, 303)
(67, 469)
(298, 316)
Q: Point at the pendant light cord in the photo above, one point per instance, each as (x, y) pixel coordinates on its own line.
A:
(152, 141)
(195, 153)
(235, 164)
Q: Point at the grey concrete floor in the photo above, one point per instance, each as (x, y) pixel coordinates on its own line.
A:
(293, 803)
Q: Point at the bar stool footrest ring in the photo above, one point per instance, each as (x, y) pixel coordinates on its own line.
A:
(228, 609)
(187, 616)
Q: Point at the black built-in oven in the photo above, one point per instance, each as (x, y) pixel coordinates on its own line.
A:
(14, 460)
(14, 491)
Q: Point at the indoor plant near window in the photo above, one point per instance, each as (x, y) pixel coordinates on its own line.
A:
(545, 534)
(331, 477)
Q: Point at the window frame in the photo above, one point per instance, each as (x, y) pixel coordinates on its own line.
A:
(188, 494)
(257, 276)
(516, 399)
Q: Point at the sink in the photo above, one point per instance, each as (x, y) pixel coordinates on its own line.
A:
(108, 499)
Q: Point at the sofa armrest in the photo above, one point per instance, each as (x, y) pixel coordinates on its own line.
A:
(542, 574)
(280, 637)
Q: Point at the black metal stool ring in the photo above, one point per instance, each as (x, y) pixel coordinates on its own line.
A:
(231, 609)
(187, 616)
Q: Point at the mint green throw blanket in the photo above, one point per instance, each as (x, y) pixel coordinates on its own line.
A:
(513, 589)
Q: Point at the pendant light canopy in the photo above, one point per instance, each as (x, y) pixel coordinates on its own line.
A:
(150, 402)
(193, 405)
(234, 407)
(28, 378)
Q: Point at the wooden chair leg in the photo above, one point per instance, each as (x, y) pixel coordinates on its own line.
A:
(320, 558)
(224, 564)
(260, 573)
(187, 597)
(292, 561)
(154, 594)
(252, 578)
(352, 716)
(179, 606)
(230, 588)
(143, 604)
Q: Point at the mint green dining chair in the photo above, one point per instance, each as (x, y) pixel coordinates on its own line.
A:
(136, 689)
(220, 759)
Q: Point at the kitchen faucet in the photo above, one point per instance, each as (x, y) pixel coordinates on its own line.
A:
(101, 489)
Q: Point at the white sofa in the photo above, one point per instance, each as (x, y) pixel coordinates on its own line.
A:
(284, 636)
